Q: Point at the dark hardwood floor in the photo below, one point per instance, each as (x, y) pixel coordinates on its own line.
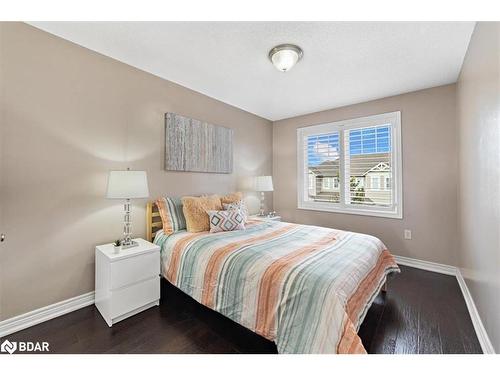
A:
(422, 312)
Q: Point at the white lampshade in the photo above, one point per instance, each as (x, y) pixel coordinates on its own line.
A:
(127, 184)
(264, 183)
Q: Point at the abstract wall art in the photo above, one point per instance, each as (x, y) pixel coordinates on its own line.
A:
(197, 146)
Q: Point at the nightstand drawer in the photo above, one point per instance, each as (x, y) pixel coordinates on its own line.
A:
(134, 269)
(134, 296)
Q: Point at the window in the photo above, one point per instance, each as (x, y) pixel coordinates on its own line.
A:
(328, 183)
(355, 164)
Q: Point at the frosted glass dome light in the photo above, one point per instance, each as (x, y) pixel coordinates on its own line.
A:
(285, 56)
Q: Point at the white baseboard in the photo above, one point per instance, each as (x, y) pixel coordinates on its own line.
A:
(426, 265)
(482, 336)
(481, 333)
(29, 319)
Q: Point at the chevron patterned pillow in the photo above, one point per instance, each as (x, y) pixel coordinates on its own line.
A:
(224, 221)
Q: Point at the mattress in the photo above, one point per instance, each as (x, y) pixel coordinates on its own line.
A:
(306, 288)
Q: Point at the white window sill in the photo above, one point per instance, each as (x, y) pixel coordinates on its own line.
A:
(351, 211)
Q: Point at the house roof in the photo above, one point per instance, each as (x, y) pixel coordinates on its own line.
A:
(360, 165)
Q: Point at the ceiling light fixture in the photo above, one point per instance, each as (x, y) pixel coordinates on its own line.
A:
(285, 56)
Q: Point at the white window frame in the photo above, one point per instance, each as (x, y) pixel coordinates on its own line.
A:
(392, 118)
(311, 178)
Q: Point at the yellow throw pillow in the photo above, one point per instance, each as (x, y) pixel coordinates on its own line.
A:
(231, 198)
(195, 211)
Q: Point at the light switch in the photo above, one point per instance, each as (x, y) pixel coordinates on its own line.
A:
(407, 234)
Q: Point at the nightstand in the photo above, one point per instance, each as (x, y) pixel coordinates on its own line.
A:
(266, 218)
(128, 282)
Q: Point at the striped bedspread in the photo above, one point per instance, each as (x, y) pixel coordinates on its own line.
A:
(306, 288)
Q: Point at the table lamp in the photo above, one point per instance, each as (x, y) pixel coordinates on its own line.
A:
(127, 185)
(262, 184)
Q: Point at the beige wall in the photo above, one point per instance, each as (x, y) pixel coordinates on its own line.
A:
(70, 116)
(429, 174)
(478, 93)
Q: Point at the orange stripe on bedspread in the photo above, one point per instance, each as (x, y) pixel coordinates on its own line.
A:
(369, 285)
(350, 341)
(177, 251)
(272, 280)
(214, 264)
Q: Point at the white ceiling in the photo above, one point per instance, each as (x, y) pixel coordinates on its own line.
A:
(344, 62)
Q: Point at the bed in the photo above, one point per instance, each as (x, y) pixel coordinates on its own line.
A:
(306, 288)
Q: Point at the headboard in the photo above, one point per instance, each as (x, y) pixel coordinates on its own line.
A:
(153, 221)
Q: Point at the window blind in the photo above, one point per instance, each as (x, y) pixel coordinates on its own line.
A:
(368, 161)
(323, 166)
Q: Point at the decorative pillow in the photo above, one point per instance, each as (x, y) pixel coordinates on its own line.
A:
(195, 211)
(231, 198)
(240, 205)
(171, 214)
(223, 221)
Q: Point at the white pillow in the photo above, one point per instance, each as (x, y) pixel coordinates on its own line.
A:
(240, 205)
